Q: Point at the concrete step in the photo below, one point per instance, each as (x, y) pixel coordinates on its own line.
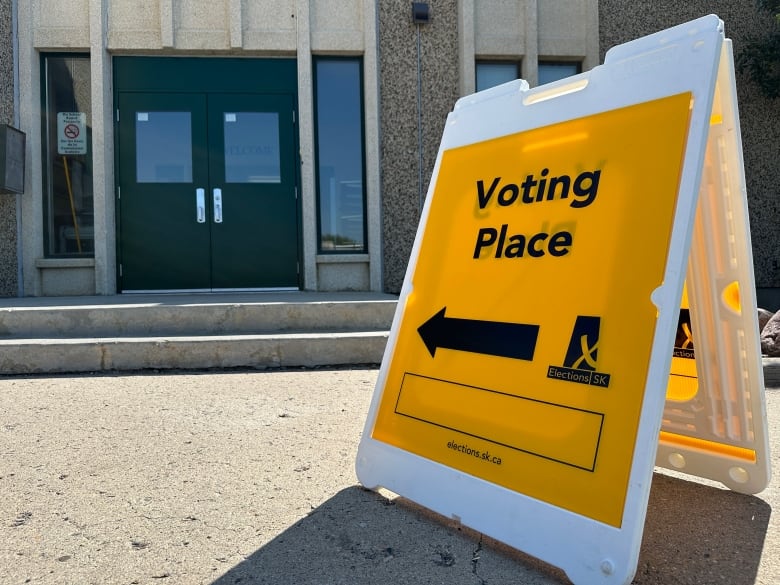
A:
(772, 372)
(39, 336)
(195, 315)
(43, 356)
(138, 332)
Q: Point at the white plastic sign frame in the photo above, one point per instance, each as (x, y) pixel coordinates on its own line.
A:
(679, 60)
(714, 422)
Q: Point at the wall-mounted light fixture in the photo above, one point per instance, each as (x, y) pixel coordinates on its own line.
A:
(421, 13)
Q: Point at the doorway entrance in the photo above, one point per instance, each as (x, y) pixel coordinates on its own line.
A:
(207, 179)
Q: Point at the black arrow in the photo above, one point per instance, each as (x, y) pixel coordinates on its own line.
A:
(512, 340)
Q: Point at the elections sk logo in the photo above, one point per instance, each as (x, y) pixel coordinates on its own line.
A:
(579, 365)
(683, 342)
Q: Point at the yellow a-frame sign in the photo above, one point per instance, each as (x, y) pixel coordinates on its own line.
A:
(524, 385)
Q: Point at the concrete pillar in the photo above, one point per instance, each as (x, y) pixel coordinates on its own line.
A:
(411, 136)
(9, 203)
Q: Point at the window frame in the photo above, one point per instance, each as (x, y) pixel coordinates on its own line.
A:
(316, 59)
(518, 63)
(47, 163)
(559, 62)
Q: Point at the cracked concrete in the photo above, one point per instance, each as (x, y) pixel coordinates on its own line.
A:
(475, 561)
(247, 477)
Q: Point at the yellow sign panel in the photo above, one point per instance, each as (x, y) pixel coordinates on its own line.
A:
(522, 353)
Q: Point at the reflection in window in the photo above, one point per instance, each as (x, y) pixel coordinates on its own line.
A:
(67, 145)
(163, 147)
(252, 147)
(550, 71)
(493, 73)
(339, 130)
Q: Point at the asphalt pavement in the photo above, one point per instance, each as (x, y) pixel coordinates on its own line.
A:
(247, 477)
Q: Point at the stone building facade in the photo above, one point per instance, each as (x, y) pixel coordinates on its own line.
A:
(144, 170)
(333, 209)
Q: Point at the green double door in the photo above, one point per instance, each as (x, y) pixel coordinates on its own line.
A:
(207, 196)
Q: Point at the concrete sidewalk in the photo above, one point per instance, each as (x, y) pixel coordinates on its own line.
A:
(248, 477)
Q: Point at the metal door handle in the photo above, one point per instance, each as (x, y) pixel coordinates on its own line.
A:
(200, 205)
(217, 205)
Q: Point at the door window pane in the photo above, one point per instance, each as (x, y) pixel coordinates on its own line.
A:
(493, 73)
(339, 112)
(550, 71)
(252, 147)
(163, 147)
(67, 131)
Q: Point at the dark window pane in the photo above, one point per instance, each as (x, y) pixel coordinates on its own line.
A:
(493, 73)
(549, 72)
(252, 147)
(67, 132)
(340, 155)
(163, 147)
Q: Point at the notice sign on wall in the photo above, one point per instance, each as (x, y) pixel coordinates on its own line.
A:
(525, 375)
(71, 133)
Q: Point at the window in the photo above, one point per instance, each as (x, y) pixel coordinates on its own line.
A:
(252, 153)
(67, 155)
(492, 73)
(550, 71)
(339, 140)
(163, 147)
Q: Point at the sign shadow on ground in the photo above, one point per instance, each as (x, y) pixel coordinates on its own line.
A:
(693, 534)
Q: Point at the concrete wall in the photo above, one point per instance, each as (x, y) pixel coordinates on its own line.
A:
(460, 33)
(759, 119)
(9, 281)
(438, 77)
